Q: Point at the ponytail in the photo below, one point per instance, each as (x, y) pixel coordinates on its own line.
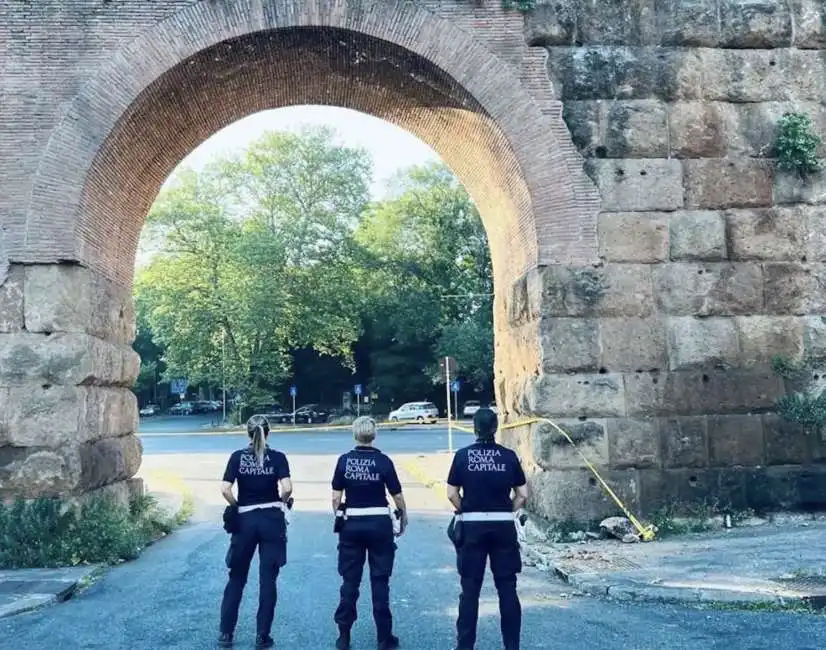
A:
(258, 428)
(259, 444)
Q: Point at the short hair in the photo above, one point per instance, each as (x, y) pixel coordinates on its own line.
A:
(364, 429)
(485, 423)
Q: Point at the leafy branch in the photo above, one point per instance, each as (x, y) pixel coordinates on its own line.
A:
(796, 144)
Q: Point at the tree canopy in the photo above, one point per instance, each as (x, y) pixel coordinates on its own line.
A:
(274, 266)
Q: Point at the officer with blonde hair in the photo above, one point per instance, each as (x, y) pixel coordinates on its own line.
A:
(256, 518)
(366, 526)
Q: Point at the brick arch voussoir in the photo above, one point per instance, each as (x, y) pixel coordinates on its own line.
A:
(95, 112)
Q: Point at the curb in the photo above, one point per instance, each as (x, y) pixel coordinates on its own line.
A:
(59, 591)
(629, 589)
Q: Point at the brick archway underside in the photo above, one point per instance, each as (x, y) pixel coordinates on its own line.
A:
(298, 66)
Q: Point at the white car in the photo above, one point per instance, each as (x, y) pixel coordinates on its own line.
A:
(470, 408)
(149, 410)
(416, 412)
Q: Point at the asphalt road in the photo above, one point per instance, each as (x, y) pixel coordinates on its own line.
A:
(408, 440)
(169, 598)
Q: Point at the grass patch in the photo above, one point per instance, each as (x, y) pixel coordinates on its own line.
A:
(50, 533)
(683, 519)
(792, 606)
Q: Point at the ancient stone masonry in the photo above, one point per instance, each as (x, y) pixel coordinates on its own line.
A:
(648, 257)
(711, 260)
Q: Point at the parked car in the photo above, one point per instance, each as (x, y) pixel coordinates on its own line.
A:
(150, 410)
(274, 414)
(471, 406)
(182, 408)
(416, 412)
(311, 413)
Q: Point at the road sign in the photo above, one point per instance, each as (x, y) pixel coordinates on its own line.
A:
(178, 386)
(455, 386)
(357, 389)
(293, 391)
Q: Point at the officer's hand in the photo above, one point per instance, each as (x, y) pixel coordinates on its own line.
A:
(402, 527)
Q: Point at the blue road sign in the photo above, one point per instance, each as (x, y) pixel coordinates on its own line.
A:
(293, 391)
(178, 386)
(357, 389)
(455, 386)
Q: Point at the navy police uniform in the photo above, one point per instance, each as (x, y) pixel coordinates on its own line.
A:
(260, 524)
(365, 475)
(486, 472)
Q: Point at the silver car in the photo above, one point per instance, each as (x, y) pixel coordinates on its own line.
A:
(415, 412)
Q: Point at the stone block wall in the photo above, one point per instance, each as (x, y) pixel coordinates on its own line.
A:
(711, 260)
(67, 417)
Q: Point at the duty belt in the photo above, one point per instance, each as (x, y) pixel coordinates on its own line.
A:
(486, 516)
(366, 512)
(261, 506)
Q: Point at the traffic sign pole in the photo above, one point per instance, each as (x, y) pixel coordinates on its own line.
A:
(449, 422)
(357, 390)
(293, 392)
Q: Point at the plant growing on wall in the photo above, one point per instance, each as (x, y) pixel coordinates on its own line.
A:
(806, 408)
(796, 144)
(522, 5)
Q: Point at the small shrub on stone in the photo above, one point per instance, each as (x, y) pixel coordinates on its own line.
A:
(50, 533)
(796, 145)
(522, 5)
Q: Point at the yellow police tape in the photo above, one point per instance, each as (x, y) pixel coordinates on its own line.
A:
(646, 533)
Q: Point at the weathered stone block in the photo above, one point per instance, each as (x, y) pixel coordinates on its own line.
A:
(793, 289)
(763, 337)
(690, 23)
(524, 303)
(5, 409)
(814, 336)
(551, 450)
(697, 129)
(58, 298)
(786, 442)
(551, 24)
(632, 344)
(697, 235)
(815, 218)
(109, 460)
(11, 300)
(592, 396)
(790, 188)
(45, 417)
(569, 344)
(612, 290)
(62, 358)
(751, 128)
(108, 413)
(627, 22)
(633, 443)
(696, 392)
(755, 24)
(628, 291)
(773, 487)
(583, 121)
(633, 237)
(766, 234)
(687, 488)
(638, 185)
(810, 23)
(702, 343)
(743, 76)
(559, 494)
(36, 472)
(728, 183)
(684, 441)
(634, 129)
(720, 289)
(735, 440)
(113, 311)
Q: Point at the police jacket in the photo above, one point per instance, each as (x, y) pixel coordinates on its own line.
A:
(366, 475)
(486, 472)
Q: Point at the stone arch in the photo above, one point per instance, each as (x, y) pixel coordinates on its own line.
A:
(544, 212)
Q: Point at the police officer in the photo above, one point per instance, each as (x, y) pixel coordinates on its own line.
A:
(486, 473)
(256, 519)
(365, 525)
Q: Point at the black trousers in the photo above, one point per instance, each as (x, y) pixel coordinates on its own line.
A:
(265, 530)
(368, 537)
(496, 540)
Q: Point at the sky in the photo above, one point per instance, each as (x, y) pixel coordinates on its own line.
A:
(391, 148)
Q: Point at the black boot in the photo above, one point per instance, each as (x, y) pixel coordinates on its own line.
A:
(343, 641)
(225, 640)
(390, 643)
(264, 641)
